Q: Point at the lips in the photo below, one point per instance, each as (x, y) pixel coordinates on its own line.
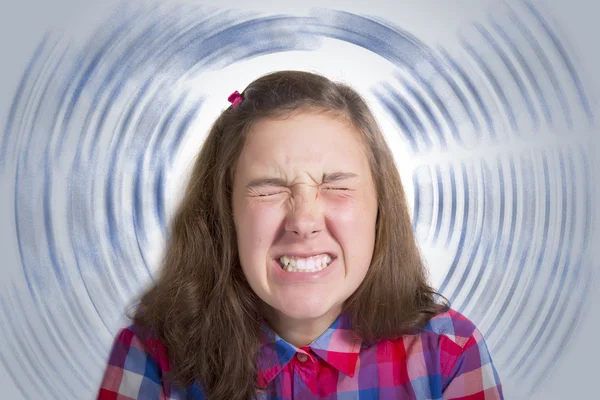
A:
(281, 276)
(301, 254)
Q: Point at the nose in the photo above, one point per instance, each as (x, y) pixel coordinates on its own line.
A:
(305, 217)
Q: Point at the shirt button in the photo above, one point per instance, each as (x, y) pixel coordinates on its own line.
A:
(302, 357)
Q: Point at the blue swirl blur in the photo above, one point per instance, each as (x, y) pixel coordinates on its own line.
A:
(93, 133)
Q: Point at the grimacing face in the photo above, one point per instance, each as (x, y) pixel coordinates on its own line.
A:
(305, 209)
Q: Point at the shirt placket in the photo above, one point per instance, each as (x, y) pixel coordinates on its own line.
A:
(305, 375)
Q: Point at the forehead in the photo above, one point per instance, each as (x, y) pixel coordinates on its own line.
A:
(306, 139)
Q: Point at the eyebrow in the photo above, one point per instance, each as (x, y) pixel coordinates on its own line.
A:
(327, 178)
(338, 176)
(262, 182)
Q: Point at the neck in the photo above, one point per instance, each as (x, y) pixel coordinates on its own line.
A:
(300, 332)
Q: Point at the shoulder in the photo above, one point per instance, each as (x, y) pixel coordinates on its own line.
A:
(442, 342)
(446, 359)
(148, 342)
(462, 353)
(137, 363)
(453, 327)
(445, 337)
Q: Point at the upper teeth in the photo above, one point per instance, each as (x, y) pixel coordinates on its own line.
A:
(314, 263)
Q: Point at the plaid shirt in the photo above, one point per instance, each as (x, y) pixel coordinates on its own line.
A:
(447, 360)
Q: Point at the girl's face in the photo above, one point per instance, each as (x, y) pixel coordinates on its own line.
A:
(304, 207)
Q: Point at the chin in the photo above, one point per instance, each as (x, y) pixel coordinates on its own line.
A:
(309, 310)
(303, 314)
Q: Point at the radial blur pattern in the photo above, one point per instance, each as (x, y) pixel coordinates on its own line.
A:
(495, 133)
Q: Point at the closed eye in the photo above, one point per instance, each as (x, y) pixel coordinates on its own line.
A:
(270, 194)
(267, 194)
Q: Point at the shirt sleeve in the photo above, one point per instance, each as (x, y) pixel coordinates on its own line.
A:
(133, 372)
(474, 376)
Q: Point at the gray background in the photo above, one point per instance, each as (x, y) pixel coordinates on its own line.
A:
(23, 24)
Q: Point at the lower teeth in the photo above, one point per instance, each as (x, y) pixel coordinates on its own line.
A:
(289, 268)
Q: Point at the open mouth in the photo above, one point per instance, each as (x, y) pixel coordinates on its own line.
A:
(305, 264)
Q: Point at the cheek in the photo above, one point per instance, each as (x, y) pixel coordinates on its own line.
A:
(351, 212)
(352, 221)
(258, 224)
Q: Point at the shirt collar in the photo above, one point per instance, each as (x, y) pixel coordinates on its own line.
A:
(338, 346)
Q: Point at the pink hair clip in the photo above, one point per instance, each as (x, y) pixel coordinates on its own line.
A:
(235, 98)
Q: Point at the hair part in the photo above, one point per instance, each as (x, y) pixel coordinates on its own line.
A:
(202, 307)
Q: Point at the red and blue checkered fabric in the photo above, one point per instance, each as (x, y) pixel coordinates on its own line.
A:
(447, 360)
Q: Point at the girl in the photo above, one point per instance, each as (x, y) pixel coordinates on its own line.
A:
(292, 271)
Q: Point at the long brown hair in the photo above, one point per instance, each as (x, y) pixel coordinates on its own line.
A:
(202, 307)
